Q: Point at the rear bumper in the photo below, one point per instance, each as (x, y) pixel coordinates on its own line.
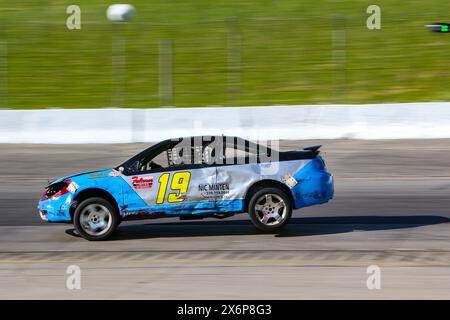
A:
(329, 187)
(317, 188)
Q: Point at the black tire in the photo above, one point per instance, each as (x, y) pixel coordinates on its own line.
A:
(88, 213)
(257, 215)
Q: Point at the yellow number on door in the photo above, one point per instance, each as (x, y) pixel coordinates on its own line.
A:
(163, 181)
(180, 184)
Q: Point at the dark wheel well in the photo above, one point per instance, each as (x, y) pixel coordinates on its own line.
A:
(90, 193)
(267, 184)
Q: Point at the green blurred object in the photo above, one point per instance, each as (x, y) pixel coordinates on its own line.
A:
(222, 53)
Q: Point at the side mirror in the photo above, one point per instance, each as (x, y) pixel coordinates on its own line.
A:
(121, 169)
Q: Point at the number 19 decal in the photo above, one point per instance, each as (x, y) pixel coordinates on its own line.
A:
(179, 184)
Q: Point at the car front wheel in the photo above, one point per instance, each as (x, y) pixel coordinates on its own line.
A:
(270, 209)
(95, 219)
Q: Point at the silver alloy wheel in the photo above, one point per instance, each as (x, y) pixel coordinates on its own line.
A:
(270, 209)
(95, 219)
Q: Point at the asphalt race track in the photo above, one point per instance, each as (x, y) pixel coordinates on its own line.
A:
(391, 209)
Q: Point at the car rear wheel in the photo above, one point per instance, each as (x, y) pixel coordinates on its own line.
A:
(270, 209)
(95, 219)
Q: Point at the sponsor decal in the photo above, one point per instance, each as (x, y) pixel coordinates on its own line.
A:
(317, 195)
(114, 173)
(141, 182)
(209, 190)
(101, 175)
(98, 175)
(72, 187)
(290, 181)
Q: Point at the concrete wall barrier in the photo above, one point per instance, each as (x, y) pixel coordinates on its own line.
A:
(384, 121)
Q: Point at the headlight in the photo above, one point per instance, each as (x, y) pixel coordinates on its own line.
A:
(58, 189)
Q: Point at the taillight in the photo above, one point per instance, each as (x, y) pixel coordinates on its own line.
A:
(59, 189)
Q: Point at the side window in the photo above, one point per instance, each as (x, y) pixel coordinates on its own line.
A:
(147, 163)
(180, 156)
(160, 161)
(187, 153)
(240, 152)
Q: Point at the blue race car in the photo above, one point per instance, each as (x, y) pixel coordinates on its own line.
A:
(192, 178)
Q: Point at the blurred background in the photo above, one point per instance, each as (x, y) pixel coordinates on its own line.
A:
(390, 161)
(225, 52)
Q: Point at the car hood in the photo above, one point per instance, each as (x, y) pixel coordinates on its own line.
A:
(105, 171)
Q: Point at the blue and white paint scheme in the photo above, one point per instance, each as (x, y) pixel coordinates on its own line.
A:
(193, 180)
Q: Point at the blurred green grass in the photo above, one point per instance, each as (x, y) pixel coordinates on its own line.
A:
(281, 52)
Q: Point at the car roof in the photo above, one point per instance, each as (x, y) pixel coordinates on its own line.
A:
(205, 136)
(198, 137)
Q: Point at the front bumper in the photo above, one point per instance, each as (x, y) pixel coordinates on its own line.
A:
(56, 210)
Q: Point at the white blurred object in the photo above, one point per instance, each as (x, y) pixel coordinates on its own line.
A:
(120, 12)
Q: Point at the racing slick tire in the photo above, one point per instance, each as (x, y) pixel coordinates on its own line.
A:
(95, 219)
(270, 209)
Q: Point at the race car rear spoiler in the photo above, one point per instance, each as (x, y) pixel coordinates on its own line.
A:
(307, 153)
(313, 148)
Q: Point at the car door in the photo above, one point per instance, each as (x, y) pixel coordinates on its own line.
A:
(238, 170)
(174, 187)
